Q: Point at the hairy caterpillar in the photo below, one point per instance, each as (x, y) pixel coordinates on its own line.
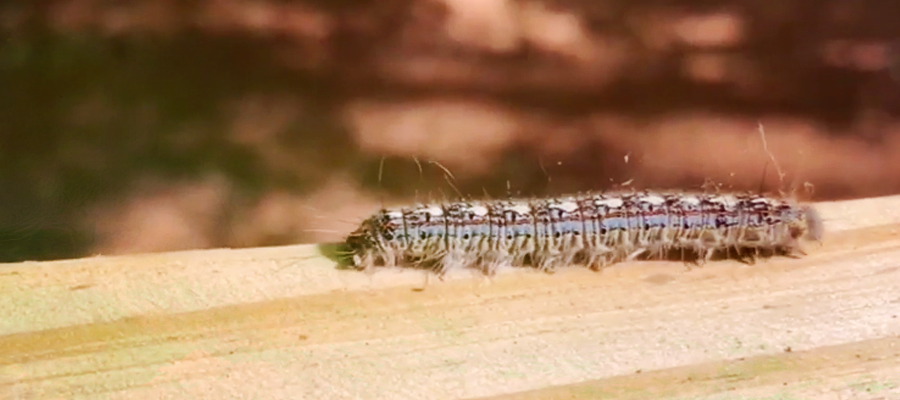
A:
(594, 230)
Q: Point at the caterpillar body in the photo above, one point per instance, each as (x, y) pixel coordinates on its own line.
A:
(594, 230)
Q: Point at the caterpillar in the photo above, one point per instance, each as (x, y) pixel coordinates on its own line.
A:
(593, 230)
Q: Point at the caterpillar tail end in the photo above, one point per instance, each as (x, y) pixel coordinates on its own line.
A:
(814, 224)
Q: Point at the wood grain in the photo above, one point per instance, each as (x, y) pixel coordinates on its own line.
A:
(284, 323)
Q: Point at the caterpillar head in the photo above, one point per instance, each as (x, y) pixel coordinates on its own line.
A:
(362, 243)
(375, 238)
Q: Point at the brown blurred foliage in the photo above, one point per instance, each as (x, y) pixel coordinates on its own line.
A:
(163, 125)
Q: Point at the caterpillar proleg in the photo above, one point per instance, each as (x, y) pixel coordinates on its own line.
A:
(593, 230)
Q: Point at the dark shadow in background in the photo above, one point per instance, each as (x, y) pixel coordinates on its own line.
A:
(339, 253)
(85, 117)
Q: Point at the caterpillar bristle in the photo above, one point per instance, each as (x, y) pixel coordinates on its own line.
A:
(592, 230)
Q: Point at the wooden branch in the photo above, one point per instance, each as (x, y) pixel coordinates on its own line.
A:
(284, 323)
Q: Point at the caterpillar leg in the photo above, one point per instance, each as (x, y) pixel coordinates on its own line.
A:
(702, 257)
(548, 263)
(708, 255)
(635, 254)
(366, 263)
(749, 259)
(489, 267)
(597, 259)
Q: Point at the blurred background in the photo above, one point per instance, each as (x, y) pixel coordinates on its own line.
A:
(157, 125)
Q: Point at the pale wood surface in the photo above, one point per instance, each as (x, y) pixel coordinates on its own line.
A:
(283, 323)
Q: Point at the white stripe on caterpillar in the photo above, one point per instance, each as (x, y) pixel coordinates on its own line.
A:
(594, 230)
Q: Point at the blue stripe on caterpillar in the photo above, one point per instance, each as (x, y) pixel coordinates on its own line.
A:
(595, 230)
